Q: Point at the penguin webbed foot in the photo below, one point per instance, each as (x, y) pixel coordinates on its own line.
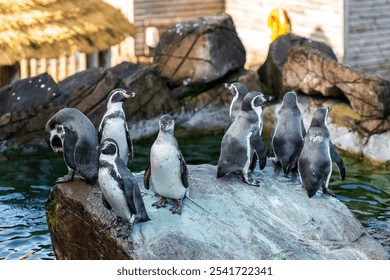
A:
(126, 232)
(326, 190)
(114, 223)
(161, 203)
(65, 179)
(250, 181)
(176, 209)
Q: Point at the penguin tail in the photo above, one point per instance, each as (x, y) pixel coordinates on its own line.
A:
(221, 172)
(143, 218)
(311, 193)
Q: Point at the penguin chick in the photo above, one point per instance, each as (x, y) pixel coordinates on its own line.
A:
(119, 188)
(167, 170)
(114, 125)
(243, 139)
(315, 161)
(71, 135)
(288, 133)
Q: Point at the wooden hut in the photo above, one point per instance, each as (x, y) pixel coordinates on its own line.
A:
(357, 30)
(60, 37)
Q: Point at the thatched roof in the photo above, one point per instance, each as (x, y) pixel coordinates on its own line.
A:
(52, 28)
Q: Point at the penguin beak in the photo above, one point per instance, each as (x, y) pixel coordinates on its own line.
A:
(269, 98)
(329, 109)
(261, 99)
(129, 94)
(227, 85)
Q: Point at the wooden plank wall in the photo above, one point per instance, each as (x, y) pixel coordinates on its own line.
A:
(321, 20)
(163, 14)
(368, 35)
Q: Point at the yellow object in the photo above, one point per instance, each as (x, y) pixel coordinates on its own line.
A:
(279, 23)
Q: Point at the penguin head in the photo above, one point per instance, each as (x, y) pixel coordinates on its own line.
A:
(320, 116)
(56, 137)
(108, 148)
(237, 89)
(254, 99)
(167, 124)
(119, 95)
(290, 99)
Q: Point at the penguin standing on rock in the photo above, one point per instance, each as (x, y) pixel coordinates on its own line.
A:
(119, 187)
(315, 161)
(243, 139)
(167, 170)
(238, 91)
(288, 133)
(114, 125)
(71, 135)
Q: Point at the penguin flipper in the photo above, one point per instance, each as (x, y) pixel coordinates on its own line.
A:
(133, 196)
(258, 145)
(100, 130)
(129, 143)
(105, 203)
(128, 185)
(147, 174)
(303, 129)
(338, 160)
(293, 160)
(271, 138)
(184, 171)
(70, 140)
(141, 214)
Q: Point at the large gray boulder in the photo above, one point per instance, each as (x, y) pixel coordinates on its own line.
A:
(224, 219)
(200, 51)
(24, 109)
(271, 71)
(307, 71)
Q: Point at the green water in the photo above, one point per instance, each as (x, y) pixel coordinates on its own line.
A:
(25, 185)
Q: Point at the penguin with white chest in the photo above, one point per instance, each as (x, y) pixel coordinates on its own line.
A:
(315, 161)
(167, 171)
(114, 125)
(72, 135)
(238, 90)
(119, 187)
(243, 139)
(288, 133)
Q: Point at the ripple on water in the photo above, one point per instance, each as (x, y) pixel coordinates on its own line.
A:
(23, 229)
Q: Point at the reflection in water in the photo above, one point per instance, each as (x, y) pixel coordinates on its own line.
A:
(25, 185)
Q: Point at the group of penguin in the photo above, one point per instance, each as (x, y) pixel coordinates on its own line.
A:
(101, 156)
(311, 153)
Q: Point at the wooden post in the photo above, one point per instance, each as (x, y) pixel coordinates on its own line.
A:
(53, 69)
(82, 62)
(24, 69)
(62, 68)
(42, 66)
(72, 65)
(33, 67)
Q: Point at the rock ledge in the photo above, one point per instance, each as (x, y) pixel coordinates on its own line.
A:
(224, 219)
